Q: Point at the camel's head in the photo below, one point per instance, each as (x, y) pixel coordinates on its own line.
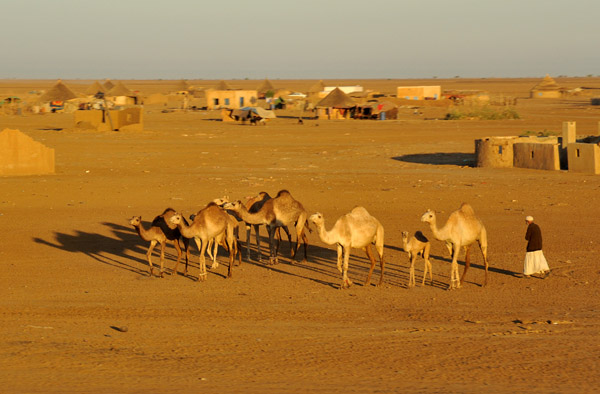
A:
(404, 234)
(428, 216)
(175, 219)
(135, 221)
(233, 206)
(317, 218)
(221, 201)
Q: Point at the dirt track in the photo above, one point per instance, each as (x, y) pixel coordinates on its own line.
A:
(74, 270)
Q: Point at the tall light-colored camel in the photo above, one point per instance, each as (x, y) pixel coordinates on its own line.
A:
(160, 232)
(356, 229)
(462, 229)
(208, 223)
(418, 244)
(283, 210)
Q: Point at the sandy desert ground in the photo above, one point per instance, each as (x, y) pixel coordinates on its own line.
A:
(73, 269)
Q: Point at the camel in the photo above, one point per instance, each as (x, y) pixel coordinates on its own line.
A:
(213, 244)
(160, 232)
(356, 229)
(253, 205)
(462, 229)
(418, 244)
(208, 223)
(221, 240)
(281, 211)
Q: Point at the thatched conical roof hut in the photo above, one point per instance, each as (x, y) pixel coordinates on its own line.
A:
(337, 99)
(95, 88)
(548, 88)
(182, 85)
(108, 85)
(120, 90)
(317, 87)
(59, 92)
(265, 87)
(548, 83)
(222, 85)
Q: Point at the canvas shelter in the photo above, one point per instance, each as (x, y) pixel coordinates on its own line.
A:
(548, 88)
(254, 114)
(379, 110)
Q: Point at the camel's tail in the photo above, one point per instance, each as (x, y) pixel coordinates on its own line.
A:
(379, 240)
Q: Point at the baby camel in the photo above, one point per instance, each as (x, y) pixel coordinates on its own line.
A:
(356, 229)
(417, 245)
(160, 232)
(462, 229)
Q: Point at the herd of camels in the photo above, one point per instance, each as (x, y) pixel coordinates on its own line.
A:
(218, 224)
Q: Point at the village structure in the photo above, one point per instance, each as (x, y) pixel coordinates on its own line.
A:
(112, 106)
(567, 152)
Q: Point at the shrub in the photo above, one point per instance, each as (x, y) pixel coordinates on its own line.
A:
(483, 113)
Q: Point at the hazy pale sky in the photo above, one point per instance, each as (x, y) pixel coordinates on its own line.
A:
(302, 39)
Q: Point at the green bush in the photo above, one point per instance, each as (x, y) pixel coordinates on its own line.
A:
(545, 133)
(482, 113)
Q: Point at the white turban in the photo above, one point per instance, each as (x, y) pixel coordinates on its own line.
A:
(529, 218)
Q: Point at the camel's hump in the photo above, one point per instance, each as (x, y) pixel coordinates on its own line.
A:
(283, 192)
(467, 210)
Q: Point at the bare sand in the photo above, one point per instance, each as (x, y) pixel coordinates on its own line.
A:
(73, 270)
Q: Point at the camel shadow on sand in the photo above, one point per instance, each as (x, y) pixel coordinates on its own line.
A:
(452, 158)
(118, 251)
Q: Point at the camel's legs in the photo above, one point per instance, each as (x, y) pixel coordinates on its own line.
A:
(305, 240)
(231, 240)
(257, 236)
(202, 247)
(346, 282)
(454, 280)
(426, 269)
(427, 265)
(372, 259)
(178, 249)
(162, 258)
(483, 248)
(149, 255)
(411, 275)
(186, 245)
(340, 253)
(467, 262)
(272, 250)
(382, 266)
(215, 242)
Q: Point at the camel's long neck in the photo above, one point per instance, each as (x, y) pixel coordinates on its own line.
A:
(251, 218)
(405, 244)
(324, 234)
(185, 230)
(142, 232)
(440, 234)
